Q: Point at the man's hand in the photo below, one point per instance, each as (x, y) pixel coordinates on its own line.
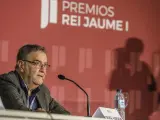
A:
(40, 110)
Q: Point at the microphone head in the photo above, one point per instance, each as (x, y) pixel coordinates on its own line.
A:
(61, 77)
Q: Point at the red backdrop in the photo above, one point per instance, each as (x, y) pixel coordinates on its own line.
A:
(87, 54)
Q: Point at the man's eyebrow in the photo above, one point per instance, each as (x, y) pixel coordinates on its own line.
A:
(39, 61)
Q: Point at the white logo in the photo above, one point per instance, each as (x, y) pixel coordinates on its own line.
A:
(49, 12)
(79, 14)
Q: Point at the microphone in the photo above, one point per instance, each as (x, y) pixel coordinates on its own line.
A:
(62, 77)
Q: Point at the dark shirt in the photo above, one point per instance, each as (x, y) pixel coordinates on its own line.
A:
(32, 102)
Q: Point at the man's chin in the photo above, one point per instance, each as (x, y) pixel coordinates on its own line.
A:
(37, 83)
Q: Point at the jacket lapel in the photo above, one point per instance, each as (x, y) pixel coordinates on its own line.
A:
(14, 79)
(41, 100)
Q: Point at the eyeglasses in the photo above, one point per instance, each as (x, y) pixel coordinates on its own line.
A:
(38, 64)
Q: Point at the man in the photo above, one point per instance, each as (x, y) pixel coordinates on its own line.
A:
(23, 89)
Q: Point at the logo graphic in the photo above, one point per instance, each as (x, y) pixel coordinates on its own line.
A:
(4, 50)
(85, 59)
(79, 14)
(58, 57)
(49, 12)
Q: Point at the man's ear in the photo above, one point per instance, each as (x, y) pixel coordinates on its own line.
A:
(20, 64)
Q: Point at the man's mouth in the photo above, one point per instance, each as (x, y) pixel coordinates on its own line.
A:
(40, 76)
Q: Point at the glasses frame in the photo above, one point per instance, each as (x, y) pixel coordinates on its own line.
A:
(40, 65)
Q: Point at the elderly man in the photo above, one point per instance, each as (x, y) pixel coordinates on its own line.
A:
(23, 88)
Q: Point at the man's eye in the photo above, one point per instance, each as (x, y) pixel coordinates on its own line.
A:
(46, 65)
(36, 63)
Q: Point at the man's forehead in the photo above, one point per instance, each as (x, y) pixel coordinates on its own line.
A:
(38, 55)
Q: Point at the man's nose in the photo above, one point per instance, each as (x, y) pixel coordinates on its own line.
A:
(43, 69)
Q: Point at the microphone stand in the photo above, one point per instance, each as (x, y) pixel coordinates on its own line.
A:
(88, 105)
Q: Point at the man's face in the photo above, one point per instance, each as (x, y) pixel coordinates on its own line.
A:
(34, 68)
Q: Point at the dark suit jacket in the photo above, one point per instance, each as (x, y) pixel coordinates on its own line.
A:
(13, 96)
